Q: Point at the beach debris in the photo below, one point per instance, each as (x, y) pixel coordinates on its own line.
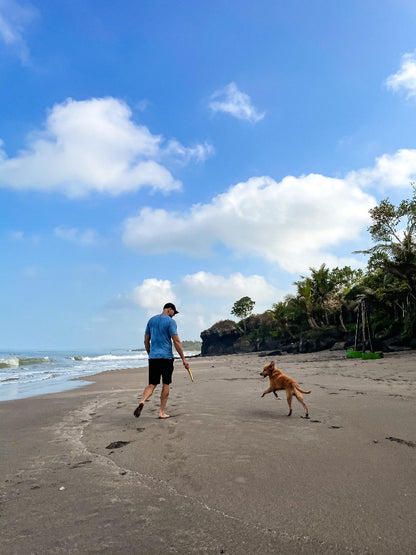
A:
(117, 444)
(402, 441)
(61, 488)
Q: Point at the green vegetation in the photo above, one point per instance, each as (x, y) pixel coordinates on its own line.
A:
(191, 346)
(242, 309)
(326, 300)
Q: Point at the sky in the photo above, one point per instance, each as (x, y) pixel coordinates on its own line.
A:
(190, 152)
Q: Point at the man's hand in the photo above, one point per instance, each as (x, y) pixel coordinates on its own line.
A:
(185, 363)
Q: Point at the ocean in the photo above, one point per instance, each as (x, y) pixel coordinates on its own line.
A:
(28, 373)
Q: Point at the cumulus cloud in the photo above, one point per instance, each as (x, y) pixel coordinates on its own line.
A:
(237, 285)
(152, 294)
(295, 222)
(87, 237)
(395, 170)
(230, 100)
(94, 146)
(292, 223)
(14, 19)
(405, 78)
(202, 298)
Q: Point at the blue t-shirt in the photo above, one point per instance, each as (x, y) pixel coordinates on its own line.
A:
(161, 328)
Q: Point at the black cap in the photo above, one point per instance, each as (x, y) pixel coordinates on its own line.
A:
(172, 306)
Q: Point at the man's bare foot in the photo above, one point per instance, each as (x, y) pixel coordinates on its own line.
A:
(163, 416)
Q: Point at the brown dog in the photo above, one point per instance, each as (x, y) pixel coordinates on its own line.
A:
(279, 381)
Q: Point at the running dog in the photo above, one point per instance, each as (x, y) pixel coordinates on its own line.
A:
(279, 381)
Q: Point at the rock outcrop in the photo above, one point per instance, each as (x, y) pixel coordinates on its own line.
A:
(257, 333)
(220, 338)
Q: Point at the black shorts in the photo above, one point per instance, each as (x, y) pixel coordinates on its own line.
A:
(160, 367)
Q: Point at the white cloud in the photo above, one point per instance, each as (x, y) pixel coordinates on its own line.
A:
(235, 286)
(14, 19)
(152, 294)
(395, 170)
(231, 100)
(202, 298)
(405, 78)
(292, 223)
(85, 237)
(93, 146)
(199, 152)
(295, 222)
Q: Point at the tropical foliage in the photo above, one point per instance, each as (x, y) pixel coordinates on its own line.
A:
(243, 308)
(327, 299)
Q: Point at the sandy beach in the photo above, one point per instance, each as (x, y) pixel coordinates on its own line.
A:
(228, 473)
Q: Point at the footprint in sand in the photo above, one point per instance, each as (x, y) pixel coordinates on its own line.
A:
(117, 444)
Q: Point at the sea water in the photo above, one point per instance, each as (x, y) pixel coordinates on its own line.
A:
(28, 373)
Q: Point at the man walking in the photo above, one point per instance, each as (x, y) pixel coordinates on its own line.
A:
(161, 330)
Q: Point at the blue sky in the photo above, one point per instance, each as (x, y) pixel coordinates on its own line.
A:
(193, 152)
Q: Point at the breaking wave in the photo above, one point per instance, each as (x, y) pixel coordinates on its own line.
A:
(15, 362)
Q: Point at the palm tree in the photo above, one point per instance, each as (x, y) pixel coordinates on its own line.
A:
(394, 232)
(306, 301)
(398, 244)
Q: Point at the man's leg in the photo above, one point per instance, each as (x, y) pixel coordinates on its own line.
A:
(163, 400)
(148, 392)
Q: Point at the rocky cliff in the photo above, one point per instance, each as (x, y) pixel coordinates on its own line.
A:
(257, 333)
(229, 337)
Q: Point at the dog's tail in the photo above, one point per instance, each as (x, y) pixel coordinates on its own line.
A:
(301, 390)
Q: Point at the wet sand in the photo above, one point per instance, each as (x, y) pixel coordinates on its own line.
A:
(228, 473)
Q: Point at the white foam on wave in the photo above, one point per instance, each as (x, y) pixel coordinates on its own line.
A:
(15, 361)
(9, 362)
(111, 357)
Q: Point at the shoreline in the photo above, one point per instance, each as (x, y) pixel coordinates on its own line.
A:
(11, 388)
(228, 472)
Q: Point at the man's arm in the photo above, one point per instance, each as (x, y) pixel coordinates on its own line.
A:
(178, 346)
(147, 343)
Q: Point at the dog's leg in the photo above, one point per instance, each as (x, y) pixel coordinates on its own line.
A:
(300, 399)
(275, 394)
(269, 390)
(289, 394)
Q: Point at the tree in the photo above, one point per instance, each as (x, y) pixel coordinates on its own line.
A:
(305, 300)
(322, 286)
(242, 309)
(394, 232)
(344, 280)
(281, 315)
